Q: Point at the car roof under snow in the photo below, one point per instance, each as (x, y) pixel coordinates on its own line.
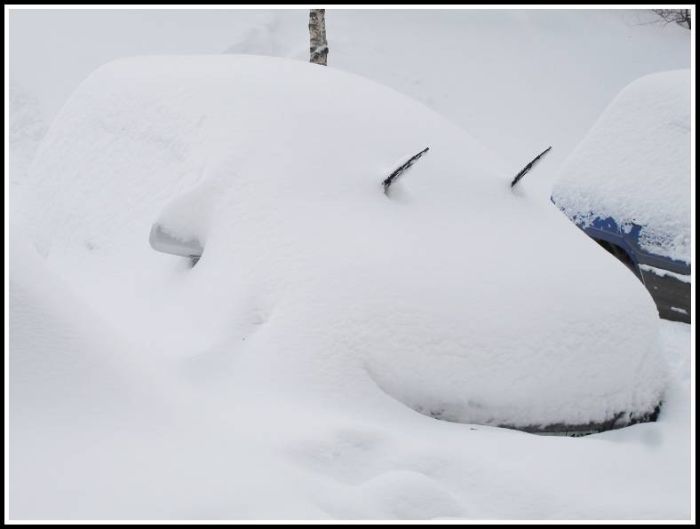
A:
(634, 165)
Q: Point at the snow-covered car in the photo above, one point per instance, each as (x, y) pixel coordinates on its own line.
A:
(446, 292)
(628, 186)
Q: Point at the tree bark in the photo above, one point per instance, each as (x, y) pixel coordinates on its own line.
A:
(317, 33)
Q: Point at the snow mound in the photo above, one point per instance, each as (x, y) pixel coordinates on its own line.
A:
(634, 165)
(67, 365)
(452, 294)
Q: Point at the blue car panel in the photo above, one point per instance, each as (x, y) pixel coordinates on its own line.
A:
(608, 229)
(670, 291)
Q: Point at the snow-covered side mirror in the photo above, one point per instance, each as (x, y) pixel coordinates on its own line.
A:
(162, 241)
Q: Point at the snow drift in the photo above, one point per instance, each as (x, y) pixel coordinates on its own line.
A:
(634, 165)
(454, 295)
(56, 366)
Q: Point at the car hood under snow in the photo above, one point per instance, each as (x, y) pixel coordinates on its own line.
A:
(452, 294)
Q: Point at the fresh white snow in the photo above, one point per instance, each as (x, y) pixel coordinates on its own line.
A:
(280, 377)
(634, 165)
(223, 448)
(288, 161)
(516, 79)
(27, 128)
(321, 315)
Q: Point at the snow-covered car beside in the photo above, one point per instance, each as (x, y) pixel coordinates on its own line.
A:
(449, 293)
(628, 186)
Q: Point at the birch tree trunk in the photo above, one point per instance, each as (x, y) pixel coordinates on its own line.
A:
(317, 33)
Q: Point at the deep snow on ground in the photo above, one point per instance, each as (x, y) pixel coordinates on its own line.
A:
(164, 446)
(125, 400)
(634, 165)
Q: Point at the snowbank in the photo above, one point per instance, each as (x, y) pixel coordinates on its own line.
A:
(70, 369)
(634, 165)
(454, 295)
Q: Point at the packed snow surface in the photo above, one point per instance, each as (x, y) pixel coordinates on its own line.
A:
(634, 165)
(280, 377)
